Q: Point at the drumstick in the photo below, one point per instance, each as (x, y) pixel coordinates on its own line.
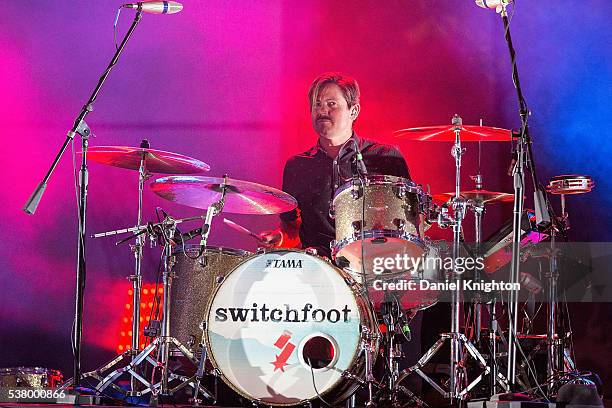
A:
(240, 228)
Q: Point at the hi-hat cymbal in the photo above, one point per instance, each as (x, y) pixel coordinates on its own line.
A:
(478, 196)
(156, 161)
(241, 197)
(446, 133)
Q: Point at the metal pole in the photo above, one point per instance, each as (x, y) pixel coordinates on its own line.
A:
(459, 209)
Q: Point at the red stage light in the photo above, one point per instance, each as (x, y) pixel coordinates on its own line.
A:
(147, 301)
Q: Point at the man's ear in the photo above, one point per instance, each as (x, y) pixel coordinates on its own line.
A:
(355, 109)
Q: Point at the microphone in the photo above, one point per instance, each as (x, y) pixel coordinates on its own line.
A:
(359, 164)
(191, 234)
(156, 7)
(496, 5)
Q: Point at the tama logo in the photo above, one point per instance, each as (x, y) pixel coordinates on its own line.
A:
(284, 263)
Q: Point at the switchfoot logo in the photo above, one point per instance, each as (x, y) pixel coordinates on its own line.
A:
(287, 348)
(263, 313)
(284, 263)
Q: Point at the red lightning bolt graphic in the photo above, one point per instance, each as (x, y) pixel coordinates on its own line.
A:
(287, 348)
(281, 359)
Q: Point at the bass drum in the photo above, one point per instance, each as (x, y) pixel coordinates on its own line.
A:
(281, 318)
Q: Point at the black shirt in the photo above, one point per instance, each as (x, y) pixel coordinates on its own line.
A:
(312, 178)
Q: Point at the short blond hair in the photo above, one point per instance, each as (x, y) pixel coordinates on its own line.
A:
(348, 85)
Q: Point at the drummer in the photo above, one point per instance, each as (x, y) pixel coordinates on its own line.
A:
(312, 177)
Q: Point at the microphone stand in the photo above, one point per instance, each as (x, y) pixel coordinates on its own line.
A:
(524, 158)
(80, 128)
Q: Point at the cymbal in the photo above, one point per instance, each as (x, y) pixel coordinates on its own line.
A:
(446, 133)
(241, 197)
(156, 161)
(478, 196)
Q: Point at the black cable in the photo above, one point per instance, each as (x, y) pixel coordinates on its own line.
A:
(315, 385)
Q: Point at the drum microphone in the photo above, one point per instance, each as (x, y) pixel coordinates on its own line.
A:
(496, 5)
(155, 7)
(359, 164)
(191, 234)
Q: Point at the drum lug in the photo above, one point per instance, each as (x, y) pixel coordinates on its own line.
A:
(332, 212)
(356, 192)
(399, 223)
(356, 227)
(400, 191)
(311, 251)
(219, 279)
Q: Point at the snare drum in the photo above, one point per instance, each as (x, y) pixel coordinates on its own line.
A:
(193, 285)
(390, 221)
(281, 318)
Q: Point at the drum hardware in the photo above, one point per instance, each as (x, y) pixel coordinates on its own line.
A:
(165, 229)
(81, 128)
(146, 161)
(458, 386)
(559, 185)
(523, 155)
(162, 343)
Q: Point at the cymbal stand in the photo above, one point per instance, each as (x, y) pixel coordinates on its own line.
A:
(166, 229)
(136, 278)
(458, 340)
(459, 208)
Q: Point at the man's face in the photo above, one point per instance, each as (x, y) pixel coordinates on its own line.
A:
(331, 116)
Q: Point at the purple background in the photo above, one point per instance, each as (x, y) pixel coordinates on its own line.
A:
(226, 82)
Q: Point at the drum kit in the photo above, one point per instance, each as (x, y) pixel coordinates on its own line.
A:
(284, 326)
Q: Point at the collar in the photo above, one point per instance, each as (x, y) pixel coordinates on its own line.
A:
(347, 147)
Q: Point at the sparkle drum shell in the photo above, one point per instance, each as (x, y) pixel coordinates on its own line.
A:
(29, 377)
(274, 312)
(391, 220)
(193, 285)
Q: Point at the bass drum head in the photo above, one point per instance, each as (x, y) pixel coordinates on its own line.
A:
(274, 313)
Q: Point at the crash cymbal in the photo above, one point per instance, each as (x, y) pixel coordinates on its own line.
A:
(570, 184)
(156, 161)
(478, 196)
(242, 197)
(446, 133)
